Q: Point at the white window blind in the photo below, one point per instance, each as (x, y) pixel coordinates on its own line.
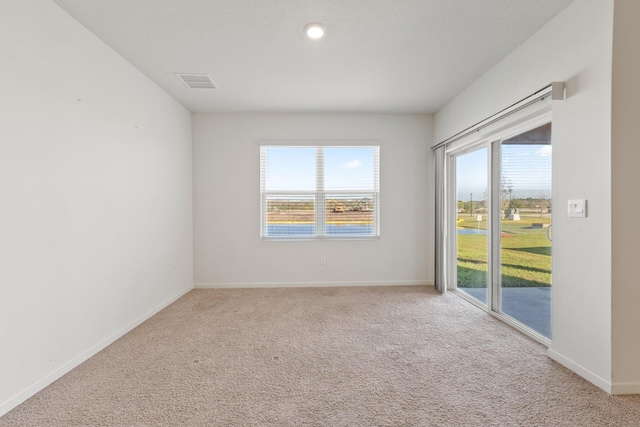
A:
(319, 192)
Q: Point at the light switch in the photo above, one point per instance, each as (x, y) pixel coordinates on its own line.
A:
(577, 208)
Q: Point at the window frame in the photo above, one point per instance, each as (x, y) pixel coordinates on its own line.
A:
(320, 195)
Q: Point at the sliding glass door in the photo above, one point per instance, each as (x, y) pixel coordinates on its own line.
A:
(524, 163)
(472, 251)
(500, 203)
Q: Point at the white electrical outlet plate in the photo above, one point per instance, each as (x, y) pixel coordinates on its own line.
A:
(577, 208)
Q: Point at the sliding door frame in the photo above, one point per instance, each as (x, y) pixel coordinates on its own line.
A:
(451, 209)
(490, 137)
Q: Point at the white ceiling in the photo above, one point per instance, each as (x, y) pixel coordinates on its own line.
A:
(404, 56)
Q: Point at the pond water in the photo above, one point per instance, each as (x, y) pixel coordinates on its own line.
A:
(471, 231)
(301, 230)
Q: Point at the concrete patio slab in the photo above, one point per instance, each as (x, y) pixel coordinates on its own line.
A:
(530, 306)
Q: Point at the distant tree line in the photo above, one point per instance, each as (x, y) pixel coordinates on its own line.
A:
(362, 204)
(531, 203)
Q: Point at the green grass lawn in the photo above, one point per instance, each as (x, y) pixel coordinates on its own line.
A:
(525, 255)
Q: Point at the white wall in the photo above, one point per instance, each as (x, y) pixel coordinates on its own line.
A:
(228, 250)
(575, 47)
(624, 189)
(96, 196)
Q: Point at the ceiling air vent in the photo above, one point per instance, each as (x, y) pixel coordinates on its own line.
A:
(196, 81)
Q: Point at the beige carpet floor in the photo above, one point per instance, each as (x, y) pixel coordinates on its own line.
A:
(391, 356)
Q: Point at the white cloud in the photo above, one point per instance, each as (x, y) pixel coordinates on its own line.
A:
(545, 151)
(352, 164)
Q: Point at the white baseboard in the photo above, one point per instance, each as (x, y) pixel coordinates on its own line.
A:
(34, 388)
(309, 284)
(585, 373)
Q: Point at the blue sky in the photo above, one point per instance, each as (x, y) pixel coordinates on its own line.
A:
(527, 167)
(293, 168)
(471, 174)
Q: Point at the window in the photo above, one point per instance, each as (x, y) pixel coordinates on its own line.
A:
(310, 192)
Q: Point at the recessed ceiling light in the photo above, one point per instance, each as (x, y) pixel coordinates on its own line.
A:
(314, 30)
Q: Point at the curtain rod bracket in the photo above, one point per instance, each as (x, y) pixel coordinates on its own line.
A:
(557, 91)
